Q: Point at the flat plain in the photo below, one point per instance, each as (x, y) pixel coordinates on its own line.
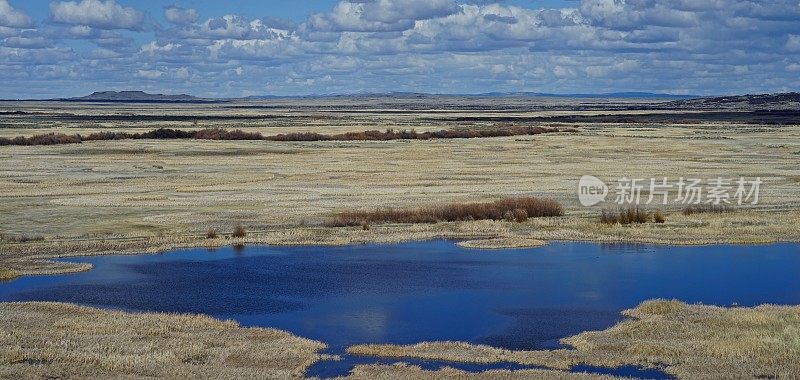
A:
(151, 195)
(147, 196)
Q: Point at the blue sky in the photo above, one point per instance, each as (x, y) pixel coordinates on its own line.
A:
(238, 48)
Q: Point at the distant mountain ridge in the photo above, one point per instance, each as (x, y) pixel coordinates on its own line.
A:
(134, 96)
(786, 100)
(626, 95)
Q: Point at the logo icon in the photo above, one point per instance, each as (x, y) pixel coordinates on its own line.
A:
(591, 190)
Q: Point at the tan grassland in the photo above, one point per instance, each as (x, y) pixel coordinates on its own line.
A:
(690, 341)
(60, 341)
(151, 195)
(148, 196)
(400, 371)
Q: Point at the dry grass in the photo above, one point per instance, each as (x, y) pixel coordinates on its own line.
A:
(402, 371)
(8, 274)
(147, 195)
(707, 208)
(510, 209)
(692, 341)
(52, 340)
(501, 243)
(625, 216)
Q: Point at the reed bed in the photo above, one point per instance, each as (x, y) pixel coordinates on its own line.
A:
(55, 340)
(691, 341)
(705, 208)
(237, 134)
(632, 215)
(512, 209)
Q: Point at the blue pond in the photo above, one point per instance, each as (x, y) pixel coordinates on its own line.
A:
(423, 291)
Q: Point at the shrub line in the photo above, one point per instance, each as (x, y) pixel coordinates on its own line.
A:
(511, 209)
(238, 134)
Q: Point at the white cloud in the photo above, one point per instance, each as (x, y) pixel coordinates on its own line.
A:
(687, 46)
(149, 74)
(28, 42)
(13, 18)
(180, 16)
(97, 14)
(793, 43)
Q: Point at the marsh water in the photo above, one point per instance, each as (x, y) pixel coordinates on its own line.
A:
(425, 291)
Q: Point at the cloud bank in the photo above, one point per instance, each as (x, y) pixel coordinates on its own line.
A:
(678, 46)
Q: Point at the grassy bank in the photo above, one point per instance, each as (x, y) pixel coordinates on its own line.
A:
(52, 340)
(688, 341)
(743, 227)
(691, 341)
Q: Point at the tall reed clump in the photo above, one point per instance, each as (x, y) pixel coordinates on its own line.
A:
(659, 217)
(211, 233)
(629, 215)
(239, 231)
(707, 208)
(514, 209)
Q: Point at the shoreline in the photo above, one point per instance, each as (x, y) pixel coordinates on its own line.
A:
(36, 258)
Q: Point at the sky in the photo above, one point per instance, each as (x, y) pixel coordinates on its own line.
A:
(299, 47)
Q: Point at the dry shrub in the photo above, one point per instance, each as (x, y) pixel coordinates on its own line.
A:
(45, 139)
(520, 215)
(659, 217)
(629, 215)
(391, 134)
(707, 208)
(508, 208)
(211, 233)
(24, 238)
(224, 134)
(239, 231)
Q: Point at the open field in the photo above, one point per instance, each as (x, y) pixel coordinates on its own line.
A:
(134, 196)
(691, 341)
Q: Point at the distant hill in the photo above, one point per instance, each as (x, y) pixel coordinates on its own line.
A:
(617, 95)
(787, 100)
(134, 96)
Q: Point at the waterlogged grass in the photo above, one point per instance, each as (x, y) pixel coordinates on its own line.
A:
(8, 274)
(53, 340)
(690, 341)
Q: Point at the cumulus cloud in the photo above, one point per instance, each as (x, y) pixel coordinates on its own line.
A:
(684, 46)
(180, 16)
(13, 18)
(27, 42)
(793, 43)
(97, 14)
(379, 15)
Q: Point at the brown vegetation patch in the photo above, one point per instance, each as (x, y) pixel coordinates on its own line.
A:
(237, 134)
(519, 209)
